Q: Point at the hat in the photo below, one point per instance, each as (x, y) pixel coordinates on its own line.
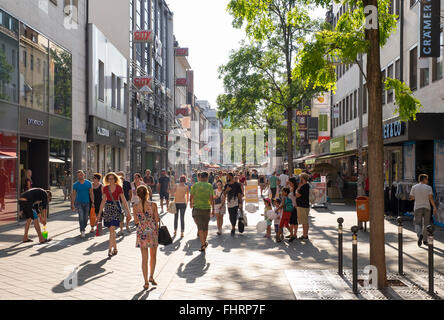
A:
(267, 200)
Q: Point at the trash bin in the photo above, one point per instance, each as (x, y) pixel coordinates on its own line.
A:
(362, 209)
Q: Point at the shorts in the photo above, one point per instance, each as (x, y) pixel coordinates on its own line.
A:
(28, 210)
(164, 195)
(202, 218)
(285, 220)
(303, 215)
(294, 217)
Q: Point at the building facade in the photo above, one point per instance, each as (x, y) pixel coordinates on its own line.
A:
(43, 97)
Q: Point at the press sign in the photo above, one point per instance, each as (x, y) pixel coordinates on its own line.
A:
(394, 129)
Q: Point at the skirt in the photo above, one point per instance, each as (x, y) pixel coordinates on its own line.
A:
(112, 214)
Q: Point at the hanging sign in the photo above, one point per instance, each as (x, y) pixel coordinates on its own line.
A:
(429, 28)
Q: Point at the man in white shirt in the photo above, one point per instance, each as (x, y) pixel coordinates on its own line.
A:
(422, 193)
(284, 178)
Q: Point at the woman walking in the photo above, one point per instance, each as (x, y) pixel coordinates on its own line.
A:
(97, 191)
(219, 206)
(181, 194)
(138, 181)
(111, 208)
(147, 220)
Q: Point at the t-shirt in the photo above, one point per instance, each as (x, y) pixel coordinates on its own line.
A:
(232, 195)
(304, 200)
(82, 190)
(421, 192)
(202, 193)
(273, 181)
(148, 180)
(35, 196)
(126, 189)
(116, 193)
(283, 178)
(164, 183)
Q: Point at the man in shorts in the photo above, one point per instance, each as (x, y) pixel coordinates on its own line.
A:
(164, 188)
(202, 203)
(30, 202)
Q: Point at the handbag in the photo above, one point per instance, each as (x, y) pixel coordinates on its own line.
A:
(172, 207)
(218, 200)
(164, 235)
(241, 225)
(92, 217)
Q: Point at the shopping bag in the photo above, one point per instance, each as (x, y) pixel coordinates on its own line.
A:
(241, 223)
(172, 207)
(92, 217)
(99, 229)
(164, 235)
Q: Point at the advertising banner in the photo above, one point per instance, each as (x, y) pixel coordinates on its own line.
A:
(251, 194)
(320, 191)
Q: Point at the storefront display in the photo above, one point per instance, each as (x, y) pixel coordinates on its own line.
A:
(439, 181)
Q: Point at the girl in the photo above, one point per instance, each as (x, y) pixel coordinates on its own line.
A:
(147, 220)
(287, 207)
(111, 207)
(268, 212)
(293, 183)
(277, 219)
(219, 206)
(138, 181)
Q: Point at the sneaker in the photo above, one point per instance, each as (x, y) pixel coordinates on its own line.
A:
(420, 240)
(82, 234)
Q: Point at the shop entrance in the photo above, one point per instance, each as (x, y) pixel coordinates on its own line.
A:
(34, 156)
(424, 159)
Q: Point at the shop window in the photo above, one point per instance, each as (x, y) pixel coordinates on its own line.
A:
(34, 90)
(60, 81)
(8, 177)
(8, 62)
(390, 75)
(60, 174)
(101, 81)
(424, 77)
(437, 64)
(413, 64)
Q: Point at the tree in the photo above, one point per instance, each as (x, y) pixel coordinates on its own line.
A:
(275, 27)
(362, 30)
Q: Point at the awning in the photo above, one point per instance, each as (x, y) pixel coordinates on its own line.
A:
(55, 160)
(337, 155)
(5, 155)
(310, 156)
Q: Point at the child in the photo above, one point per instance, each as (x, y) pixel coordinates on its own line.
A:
(267, 213)
(277, 219)
(287, 206)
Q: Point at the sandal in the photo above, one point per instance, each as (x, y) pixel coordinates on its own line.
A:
(206, 245)
(110, 254)
(28, 240)
(46, 240)
(202, 248)
(153, 281)
(114, 252)
(146, 286)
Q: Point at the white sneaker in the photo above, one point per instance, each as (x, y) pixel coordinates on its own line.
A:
(82, 234)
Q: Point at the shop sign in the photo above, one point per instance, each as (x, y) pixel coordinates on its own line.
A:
(302, 121)
(322, 100)
(429, 28)
(102, 132)
(310, 161)
(393, 129)
(337, 145)
(140, 82)
(350, 141)
(143, 36)
(324, 146)
(121, 136)
(312, 128)
(181, 82)
(181, 52)
(322, 139)
(34, 122)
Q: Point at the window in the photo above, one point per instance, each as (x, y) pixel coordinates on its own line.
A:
(101, 81)
(437, 62)
(113, 90)
(14, 58)
(364, 99)
(398, 69)
(71, 9)
(355, 104)
(60, 81)
(347, 106)
(32, 62)
(390, 75)
(119, 93)
(383, 86)
(424, 76)
(413, 79)
(125, 95)
(343, 112)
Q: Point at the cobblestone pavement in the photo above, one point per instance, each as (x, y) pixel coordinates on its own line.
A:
(246, 266)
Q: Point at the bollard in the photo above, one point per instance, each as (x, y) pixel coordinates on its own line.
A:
(354, 229)
(430, 244)
(340, 250)
(400, 253)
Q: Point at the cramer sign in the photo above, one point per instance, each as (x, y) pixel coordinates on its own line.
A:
(143, 36)
(140, 82)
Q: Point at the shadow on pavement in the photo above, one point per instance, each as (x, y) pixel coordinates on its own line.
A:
(194, 269)
(169, 249)
(144, 294)
(13, 250)
(88, 273)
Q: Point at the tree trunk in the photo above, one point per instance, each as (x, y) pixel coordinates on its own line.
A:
(375, 153)
(290, 140)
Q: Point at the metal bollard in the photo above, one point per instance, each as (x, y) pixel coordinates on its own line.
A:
(430, 230)
(400, 253)
(354, 229)
(340, 250)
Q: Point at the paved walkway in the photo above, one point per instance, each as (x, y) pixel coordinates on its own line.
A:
(246, 266)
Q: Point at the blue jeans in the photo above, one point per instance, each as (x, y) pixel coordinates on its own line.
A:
(83, 210)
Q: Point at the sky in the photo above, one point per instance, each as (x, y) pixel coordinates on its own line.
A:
(205, 27)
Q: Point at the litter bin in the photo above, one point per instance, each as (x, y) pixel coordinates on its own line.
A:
(362, 209)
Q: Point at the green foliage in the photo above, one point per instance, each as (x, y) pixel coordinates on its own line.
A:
(403, 97)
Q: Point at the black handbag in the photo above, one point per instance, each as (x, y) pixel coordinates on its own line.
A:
(241, 224)
(164, 235)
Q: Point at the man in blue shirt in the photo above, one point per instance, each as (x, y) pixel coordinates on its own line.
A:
(82, 196)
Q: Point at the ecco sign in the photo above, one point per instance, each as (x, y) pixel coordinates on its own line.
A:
(33, 122)
(394, 129)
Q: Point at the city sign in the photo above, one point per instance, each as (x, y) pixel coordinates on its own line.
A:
(143, 36)
(181, 52)
(393, 129)
(429, 28)
(140, 82)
